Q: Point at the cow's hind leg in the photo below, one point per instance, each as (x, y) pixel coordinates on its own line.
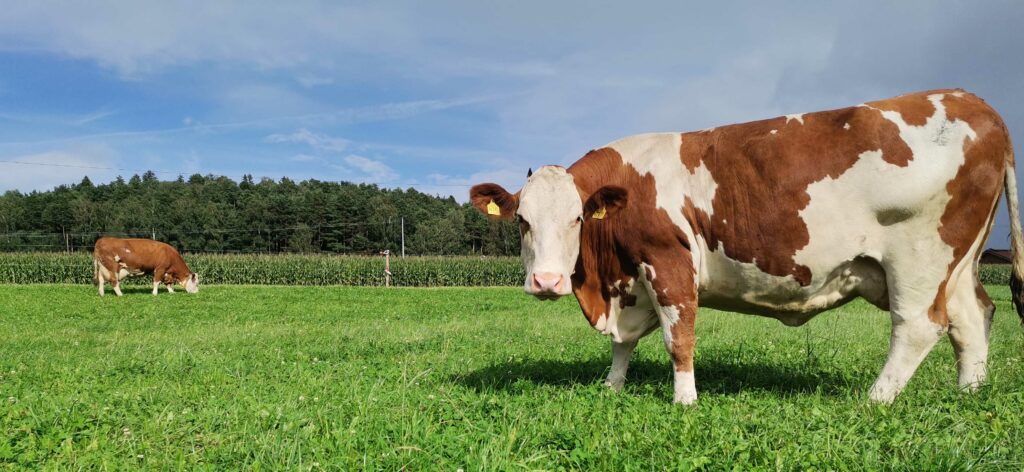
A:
(970, 313)
(621, 354)
(918, 321)
(970, 319)
(100, 282)
(113, 274)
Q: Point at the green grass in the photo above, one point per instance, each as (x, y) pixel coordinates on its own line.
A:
(343, 378)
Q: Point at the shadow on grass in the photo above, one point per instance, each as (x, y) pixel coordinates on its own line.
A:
(713, 376)
(137, 290)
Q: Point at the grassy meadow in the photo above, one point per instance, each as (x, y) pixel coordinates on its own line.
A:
(347, 378)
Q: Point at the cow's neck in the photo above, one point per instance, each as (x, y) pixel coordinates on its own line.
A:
(596, 169)
(603, 264)
(610, 252)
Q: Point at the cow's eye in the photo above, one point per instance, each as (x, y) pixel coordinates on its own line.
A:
(578, 220)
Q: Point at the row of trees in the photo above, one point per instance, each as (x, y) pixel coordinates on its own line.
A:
(217, 214)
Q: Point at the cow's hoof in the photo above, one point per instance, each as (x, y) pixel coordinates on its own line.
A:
(685, 401)
(881, 395)
(615, 385)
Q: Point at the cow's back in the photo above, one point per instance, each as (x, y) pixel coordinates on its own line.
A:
(801, 212)
(138, 254)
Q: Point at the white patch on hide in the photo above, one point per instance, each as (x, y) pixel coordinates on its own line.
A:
(628, 324)
(684, 388)
(648, 269)
(874, 187)
(657, 155)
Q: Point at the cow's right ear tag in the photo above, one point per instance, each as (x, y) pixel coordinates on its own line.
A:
(600, 214)
(493, 209)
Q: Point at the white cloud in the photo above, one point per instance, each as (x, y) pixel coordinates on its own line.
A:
(303, 158)
(510, 176)
(312, 80)
(257, 101)
(138, 38)
(321, 142)
(376, 171)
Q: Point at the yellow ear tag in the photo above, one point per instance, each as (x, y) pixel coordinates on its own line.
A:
(493, 209)
(600, 214)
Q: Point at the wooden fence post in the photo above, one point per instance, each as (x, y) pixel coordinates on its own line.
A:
(387, 267)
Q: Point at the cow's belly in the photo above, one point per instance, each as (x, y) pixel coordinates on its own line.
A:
(628, 324)
(741, 287)
(126, 272)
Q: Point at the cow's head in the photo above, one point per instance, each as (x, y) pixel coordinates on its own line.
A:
(192, 283)
(550, 211)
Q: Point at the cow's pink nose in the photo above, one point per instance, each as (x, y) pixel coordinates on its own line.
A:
(547, 282)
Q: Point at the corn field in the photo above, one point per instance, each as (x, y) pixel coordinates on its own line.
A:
(295, 269)
(283, 269)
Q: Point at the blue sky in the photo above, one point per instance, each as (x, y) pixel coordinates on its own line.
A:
(440, 95)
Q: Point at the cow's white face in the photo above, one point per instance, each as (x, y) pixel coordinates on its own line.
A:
(550, 212)
(192, 283)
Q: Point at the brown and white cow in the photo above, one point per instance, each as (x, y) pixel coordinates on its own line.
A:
(891, 201)
(116, 258)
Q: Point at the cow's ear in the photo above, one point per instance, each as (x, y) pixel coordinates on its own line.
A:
(494, 201)
(605, 203)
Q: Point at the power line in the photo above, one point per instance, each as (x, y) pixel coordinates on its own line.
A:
(77, 166)
(38, 234)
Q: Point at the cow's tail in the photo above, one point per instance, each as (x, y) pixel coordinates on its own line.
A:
(95, 271)
(1016, 236)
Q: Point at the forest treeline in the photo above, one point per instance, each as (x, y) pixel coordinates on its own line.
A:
(216, 214)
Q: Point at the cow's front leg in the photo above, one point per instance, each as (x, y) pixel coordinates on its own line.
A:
(621, 354)
(170, 287)
(674, 293)
(677, 325)
(158, 275)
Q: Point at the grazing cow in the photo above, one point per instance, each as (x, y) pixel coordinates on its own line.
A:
(116, 258)
(891, 201)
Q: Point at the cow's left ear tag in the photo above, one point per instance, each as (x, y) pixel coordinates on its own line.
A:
(600, 214)
(493, 209)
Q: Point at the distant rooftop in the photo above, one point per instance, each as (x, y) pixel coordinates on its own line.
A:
(997, 256)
